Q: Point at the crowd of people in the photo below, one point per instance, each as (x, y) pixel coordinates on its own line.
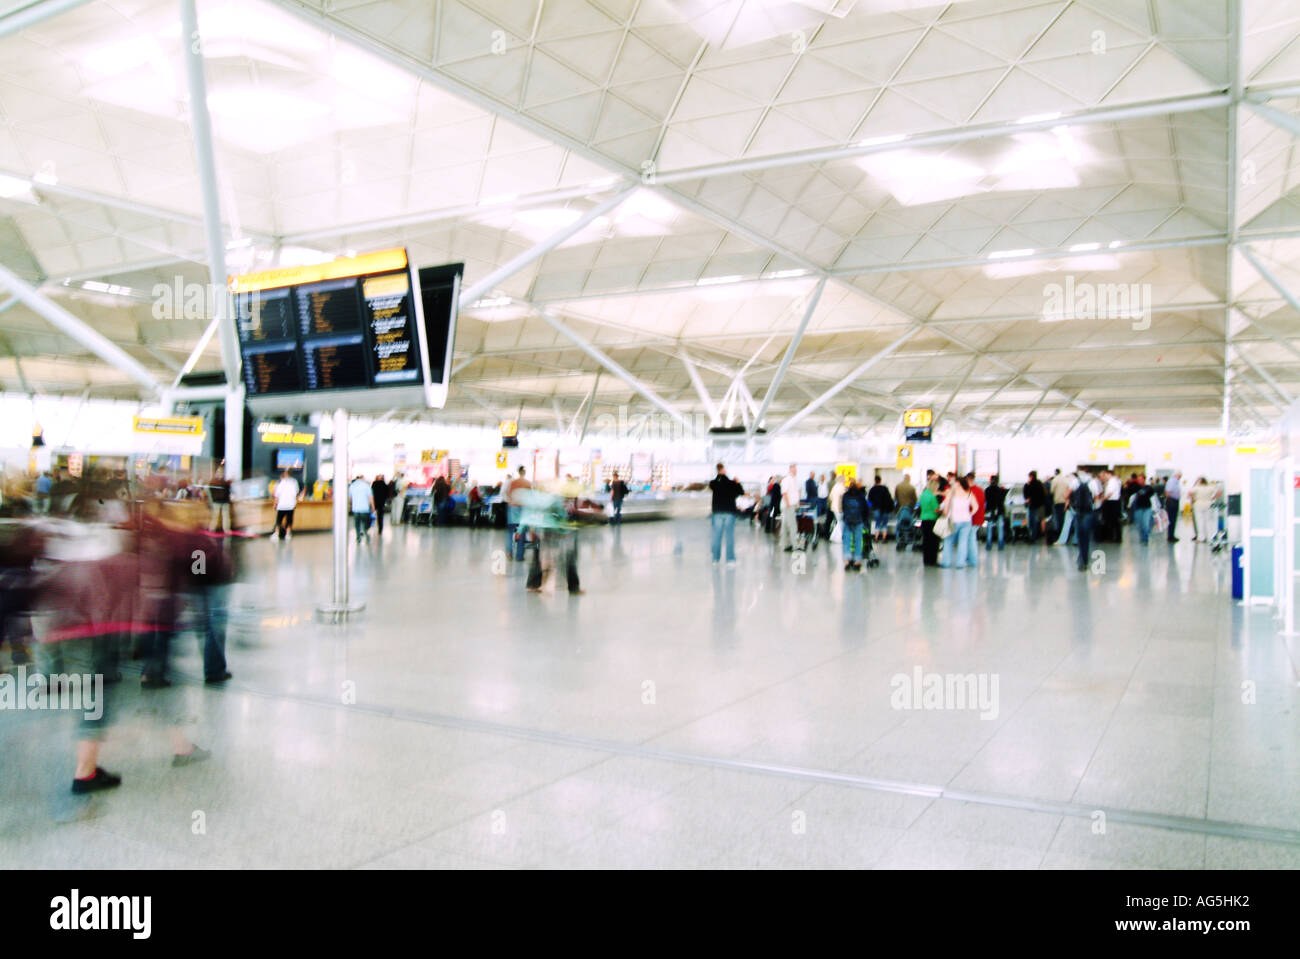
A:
(97, 572)
(950, 513)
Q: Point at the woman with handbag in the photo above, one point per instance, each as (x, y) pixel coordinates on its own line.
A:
(929, 506)
(959, 508)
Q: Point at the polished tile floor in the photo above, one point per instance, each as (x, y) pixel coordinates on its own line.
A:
(681, 714)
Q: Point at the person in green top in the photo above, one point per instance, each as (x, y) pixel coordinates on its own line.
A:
(930, 513)
(548, 514)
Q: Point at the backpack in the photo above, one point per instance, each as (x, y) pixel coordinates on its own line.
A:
(1081, 498)
(851, 507)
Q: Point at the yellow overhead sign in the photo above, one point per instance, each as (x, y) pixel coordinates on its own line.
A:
(284, 433)
(919, 418)
(1210, 441)
(1112, 444)
(509, 428)
(380, 262)
(847, 471)
(169, 425)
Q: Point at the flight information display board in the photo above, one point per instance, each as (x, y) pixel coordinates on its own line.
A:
(354, 324)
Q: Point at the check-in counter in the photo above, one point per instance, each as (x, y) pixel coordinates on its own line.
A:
(258, 515)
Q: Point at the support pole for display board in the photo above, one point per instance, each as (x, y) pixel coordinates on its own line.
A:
(340, 607)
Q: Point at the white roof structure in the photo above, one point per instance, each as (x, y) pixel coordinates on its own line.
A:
(934, 198)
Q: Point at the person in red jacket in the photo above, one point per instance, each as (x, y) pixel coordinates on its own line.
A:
(976, 521)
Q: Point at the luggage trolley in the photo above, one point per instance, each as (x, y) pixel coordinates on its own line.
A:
(806, 526)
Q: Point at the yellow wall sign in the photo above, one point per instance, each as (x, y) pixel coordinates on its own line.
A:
(1112, 444)
(904, 458)
(284, 433)
(501, 460)
(169, 425)
(846, 471)
(380, 262)
(918, 419)
(1210, 441)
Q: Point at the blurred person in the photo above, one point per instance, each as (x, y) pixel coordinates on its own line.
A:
(835, 505)
(823, 495)
(287, 494)
(723, 518)
(1172, 498)
(1084, 501)
(1060, 488)
(361, 503)
(547, 513)
(1111, 514)
(379, 494)
(443, 505)
(44, 484)
(617, 493)
(905, 503)
(995, 514)
(882, 507)
(929, 507)
(810, 488)
(515, 533)
(959, 507)
(1035, 499)
(1140, 503)
(1201, 496)
(219, 501)
(854, 510)
(475, 503)
(976, 520)
(789, 508)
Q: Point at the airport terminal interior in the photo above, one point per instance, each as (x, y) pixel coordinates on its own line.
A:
(625, 434)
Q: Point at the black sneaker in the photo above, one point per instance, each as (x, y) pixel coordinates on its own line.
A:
(102, 779)
(155, 683)
(213, 680)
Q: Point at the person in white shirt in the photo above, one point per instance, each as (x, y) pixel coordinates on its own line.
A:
(1202, 496)
(287, 494)
(790, 496)
(959, 506)
(361, 498)
(1110, 507)
(1067, 520)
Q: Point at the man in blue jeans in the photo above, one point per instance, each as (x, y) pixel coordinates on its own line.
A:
(725, 490)
(1141, 504)
(515, 534)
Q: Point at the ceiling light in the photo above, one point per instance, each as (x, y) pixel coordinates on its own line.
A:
(1039, 161)
(1039, 118)
(1003, 254)
(784, 274)
(548, 218)
(715, 280)
(914, 177)
(1082, 247)
(490, 302)
(15, 188)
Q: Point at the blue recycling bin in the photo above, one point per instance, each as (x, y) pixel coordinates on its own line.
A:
(1238, 573)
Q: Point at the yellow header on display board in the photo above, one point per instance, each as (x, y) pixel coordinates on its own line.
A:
(847, 470)
(1211, 441)
(380, 262)
(169, 425)
(918, 418)
(1112, 444)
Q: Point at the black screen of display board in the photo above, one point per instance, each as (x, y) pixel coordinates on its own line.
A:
(390, 326)
(438, 291)
(266, 316)
(272, 368)
(340, 334)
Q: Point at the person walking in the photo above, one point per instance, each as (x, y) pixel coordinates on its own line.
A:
(929, 506)
(1201, 496)
(723, 519)
(515, 533)
(362, 502)
(789, 490)
(834, 504)
(995, 514)
(379, 493)
(976, 520)
(882, 508)
(219, 501)
(905, 503)
(1173, 495)
(1140, 505)
(959, 507)
(548, 514)
(1111, 514)
(1083, 501)
(1066, 532)
(617, 493)
(854, 510)
(1060, 491)
(1035, 499)
(287, 495)
(810, 488)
